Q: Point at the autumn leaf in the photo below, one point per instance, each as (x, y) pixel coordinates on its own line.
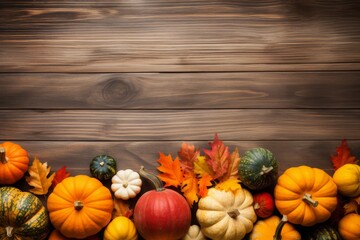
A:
(342, 156)
(38, 177)
(351, 207)
(121, 208)
(188, 155)
(189, 188)
(201, 167)
(171, 171)
(231, 184)
(204, 183)
(233, 167)
(218, 157)
(60, 175)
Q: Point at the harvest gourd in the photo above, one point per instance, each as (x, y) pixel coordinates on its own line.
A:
(14, 162)
(347, 179)
(274, 228)
(264, 205)
(349, 226)
(226, 215)
(80, 206)
(161, 213)
(22, 215)
(258, 169)
(194, 233)
(120, 228)
(306, 195)
(322, 232)
(126, 184)
(103, 167)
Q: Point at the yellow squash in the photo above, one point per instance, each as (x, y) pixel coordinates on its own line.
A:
(120, 228)
(347, 179)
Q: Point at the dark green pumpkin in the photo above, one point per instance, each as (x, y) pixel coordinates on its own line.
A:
(258, 169)
(103, 167)
(22, 215)
(323, 232)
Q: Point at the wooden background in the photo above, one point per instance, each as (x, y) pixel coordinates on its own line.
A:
(138, 77)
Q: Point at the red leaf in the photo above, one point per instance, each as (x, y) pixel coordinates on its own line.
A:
(343, 156)
(60, 175)
(188, 155)
(218, 157)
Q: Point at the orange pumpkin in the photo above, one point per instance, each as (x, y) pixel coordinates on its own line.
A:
(306, 195)
(56, 235)
(349, 226)
(80, 206)
(14, 162)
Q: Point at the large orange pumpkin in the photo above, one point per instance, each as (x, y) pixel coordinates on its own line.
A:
(14, 162)
(56, 235)
(306, 195)
(80, 206)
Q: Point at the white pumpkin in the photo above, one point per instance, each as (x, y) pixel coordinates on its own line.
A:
(226, 215)
(126, 184)
(194, 233)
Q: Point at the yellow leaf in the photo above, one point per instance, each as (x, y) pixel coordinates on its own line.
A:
(231, 184)
(201, 167)
(190, 188)
(171, 171)
(38, 177)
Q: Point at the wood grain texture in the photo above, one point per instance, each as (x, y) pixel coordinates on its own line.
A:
(77, 155)
(179, 36)
(181, 90)
(150, 125)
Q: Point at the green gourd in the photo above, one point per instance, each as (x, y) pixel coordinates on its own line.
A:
(103, 167)
(258, 169)
(322, 232)
(22, 215)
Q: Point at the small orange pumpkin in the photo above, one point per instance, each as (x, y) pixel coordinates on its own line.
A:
(80, 206)
(349, 226)
(306, 195)
(14, 162)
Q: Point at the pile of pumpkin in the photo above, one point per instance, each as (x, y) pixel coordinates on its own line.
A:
(80, 207)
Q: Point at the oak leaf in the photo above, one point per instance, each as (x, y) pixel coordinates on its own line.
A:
(171, 170)
(218, 157)
(38, 178)
(188, 155)
(342, 156)
(189, 188)
(60, 175)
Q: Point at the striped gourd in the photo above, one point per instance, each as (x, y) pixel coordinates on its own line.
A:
(258, 169)
(323, 232)
(103, 167)
(22, 215)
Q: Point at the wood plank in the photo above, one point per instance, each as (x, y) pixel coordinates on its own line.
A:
(150, 125)
(168, 36)
(77, 155)
(181, 90)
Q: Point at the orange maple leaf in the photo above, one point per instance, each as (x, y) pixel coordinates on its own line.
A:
(342, 156)
(171, 170)
(60, 175)
(190, 188)
(204, 183)
(121, 208)
(188, 155)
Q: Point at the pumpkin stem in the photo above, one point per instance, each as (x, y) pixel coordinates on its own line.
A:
(78, 205)
(279, 228)
(155, 181)
(102, 163)
(265, 169)
(234, 213)
(308, 199)
(3, 155)
(9, 231)
(256, 206)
